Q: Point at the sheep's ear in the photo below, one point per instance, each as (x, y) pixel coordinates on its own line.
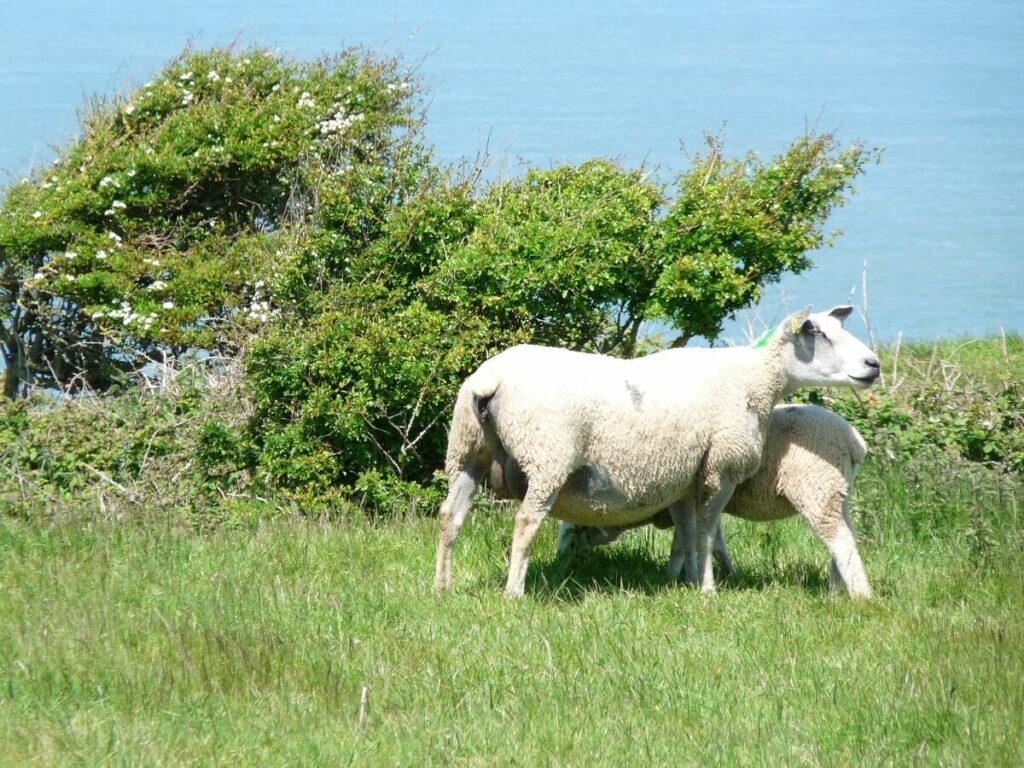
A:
(841, 312)
(795, 323)
(810, 326)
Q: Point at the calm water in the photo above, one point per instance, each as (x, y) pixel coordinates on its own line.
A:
(939, 226)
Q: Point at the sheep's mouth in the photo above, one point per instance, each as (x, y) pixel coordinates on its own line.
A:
(866, 381)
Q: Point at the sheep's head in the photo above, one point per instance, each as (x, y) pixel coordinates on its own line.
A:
(819, 352)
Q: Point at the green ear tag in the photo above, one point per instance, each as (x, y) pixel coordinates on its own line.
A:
(794, 326)
(763, 341)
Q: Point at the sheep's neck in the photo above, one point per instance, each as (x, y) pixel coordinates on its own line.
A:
(762, 399)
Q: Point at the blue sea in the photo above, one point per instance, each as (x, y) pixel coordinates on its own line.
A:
(935, 232)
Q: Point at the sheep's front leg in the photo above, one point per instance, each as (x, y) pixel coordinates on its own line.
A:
(708, 520)
(461, 489)
(531, 514)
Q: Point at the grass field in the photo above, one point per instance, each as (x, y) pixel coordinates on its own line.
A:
(132, 633)
(303, 643)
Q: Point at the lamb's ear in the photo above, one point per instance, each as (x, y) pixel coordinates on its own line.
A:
(841, 312)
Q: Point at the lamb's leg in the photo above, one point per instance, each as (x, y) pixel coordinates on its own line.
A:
(461, 489)
(583, 538)
(846, 569)
(708, 520)
(534, 509)
(572, 538)
(683, 558)
(721, 553)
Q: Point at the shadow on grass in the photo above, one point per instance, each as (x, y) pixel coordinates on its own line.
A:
(572, 578)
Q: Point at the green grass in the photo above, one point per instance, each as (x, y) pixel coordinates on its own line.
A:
(146, 644)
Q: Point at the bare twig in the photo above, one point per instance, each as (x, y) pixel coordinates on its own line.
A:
(108, 479)
(867, 315)
(1006, 354)
(379, 447)
(896, 361)
(364, 694)
(931, 362)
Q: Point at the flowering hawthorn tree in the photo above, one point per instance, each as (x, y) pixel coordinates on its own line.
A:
(160, 229)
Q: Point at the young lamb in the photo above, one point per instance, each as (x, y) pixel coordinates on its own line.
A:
(808, 467)
(596, 440)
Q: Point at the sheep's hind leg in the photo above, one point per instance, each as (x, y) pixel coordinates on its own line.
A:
(846, 569)
(461, 489)
(534, 509)
(721, 552)
(683, 558)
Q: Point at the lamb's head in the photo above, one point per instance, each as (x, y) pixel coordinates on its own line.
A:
(818, 352)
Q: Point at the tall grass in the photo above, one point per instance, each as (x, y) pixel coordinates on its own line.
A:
(298, 642)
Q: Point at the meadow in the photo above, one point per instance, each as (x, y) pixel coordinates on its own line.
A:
(129, 635)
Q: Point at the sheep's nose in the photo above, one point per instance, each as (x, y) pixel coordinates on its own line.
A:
(872, 362)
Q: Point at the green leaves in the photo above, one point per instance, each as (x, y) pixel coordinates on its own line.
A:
(738, 225)
(563, 255)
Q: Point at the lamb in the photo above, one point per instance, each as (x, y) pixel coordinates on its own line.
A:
(596, 440)
(808, 467)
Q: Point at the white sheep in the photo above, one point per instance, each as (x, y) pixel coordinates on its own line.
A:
(596, 440)
(808, 467)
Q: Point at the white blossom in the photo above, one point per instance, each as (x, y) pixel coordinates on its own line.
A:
(168, 305)
(37, 214)
(305, 100)
(339, 123)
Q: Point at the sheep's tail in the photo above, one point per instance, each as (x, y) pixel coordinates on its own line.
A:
(471, 437)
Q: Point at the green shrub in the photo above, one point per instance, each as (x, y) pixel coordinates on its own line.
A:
(244, 202)
(943, 402)
(156, 232)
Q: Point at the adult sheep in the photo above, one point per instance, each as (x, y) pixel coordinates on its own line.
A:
(808, 467)
(596, 440)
